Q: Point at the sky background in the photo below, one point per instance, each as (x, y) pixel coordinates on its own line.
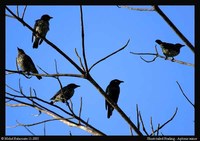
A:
(107, 28)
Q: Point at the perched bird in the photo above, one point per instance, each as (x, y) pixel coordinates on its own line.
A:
(169, 49)
(25, 62)
(42, 27)
(112, 91)
(65, 94)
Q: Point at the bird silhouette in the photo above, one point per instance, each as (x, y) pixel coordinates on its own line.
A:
(65, 94)
(169, 49)
(112, 91)
(42, 27)
(25, 62)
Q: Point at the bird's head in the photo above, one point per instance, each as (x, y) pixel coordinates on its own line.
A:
(158, 41)
(46, 17)
(116, 81)
(20, 51)
(73, 86)
(179, 45)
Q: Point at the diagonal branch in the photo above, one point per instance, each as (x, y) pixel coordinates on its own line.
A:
(87, 128)
(185, 94)
(115, 106)
(159, 11)
(48, 42)
(159, 127)
(110, 55)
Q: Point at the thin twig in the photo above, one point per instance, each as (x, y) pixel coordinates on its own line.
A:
(137, 9)
(17, 11)
(24, 12)
(144, 129)
(47, 41)
(158, 129)
(110, 55)
(80, 110)
(79, 59)
(151, 123)
(165, 122)
(10, 16)
(160, 56)
(185, 94)
(138, 122)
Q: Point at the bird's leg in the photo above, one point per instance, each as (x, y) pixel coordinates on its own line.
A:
(166, 57)
(172, 59)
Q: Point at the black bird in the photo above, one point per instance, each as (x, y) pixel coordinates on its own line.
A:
(169, 49)
(68, 92)
(42, 27)
(25, 62)
(112, 91)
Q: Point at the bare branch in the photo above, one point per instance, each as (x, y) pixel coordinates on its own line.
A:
(80, 110)
(83, 40)
(185, 94)
(144, 129)
(79, 60)
(165, 122)
(137, 9)
(24, 12)
(151, 123)
(114, 105)
(160, 12)
(138, 122)
(46, 74)
(160, 56)
(109, 55)
(17, 11)
(10, 16)
(87, 128)
(158, 129)
(47, 41)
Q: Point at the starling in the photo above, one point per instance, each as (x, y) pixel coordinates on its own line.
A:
(112, 91)
(26, 63)
(68, 92)
(42, 27)
(169, 49)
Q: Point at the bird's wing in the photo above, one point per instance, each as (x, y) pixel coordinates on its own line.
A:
(31, 64)
(35, 25)
(107, 92)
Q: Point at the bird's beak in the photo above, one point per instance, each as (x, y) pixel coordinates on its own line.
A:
(51, 17)
(121, 81)
(77, 85)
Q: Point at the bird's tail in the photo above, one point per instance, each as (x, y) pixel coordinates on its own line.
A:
(39, 77)
(36, 43)
(110, 110)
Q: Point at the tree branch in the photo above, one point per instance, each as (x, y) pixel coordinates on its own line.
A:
(110, 55)
(137, 9)
(159, 11)
(159, 127)
(185, 94)
(83, 40)
(47, 41)
(160, 56)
